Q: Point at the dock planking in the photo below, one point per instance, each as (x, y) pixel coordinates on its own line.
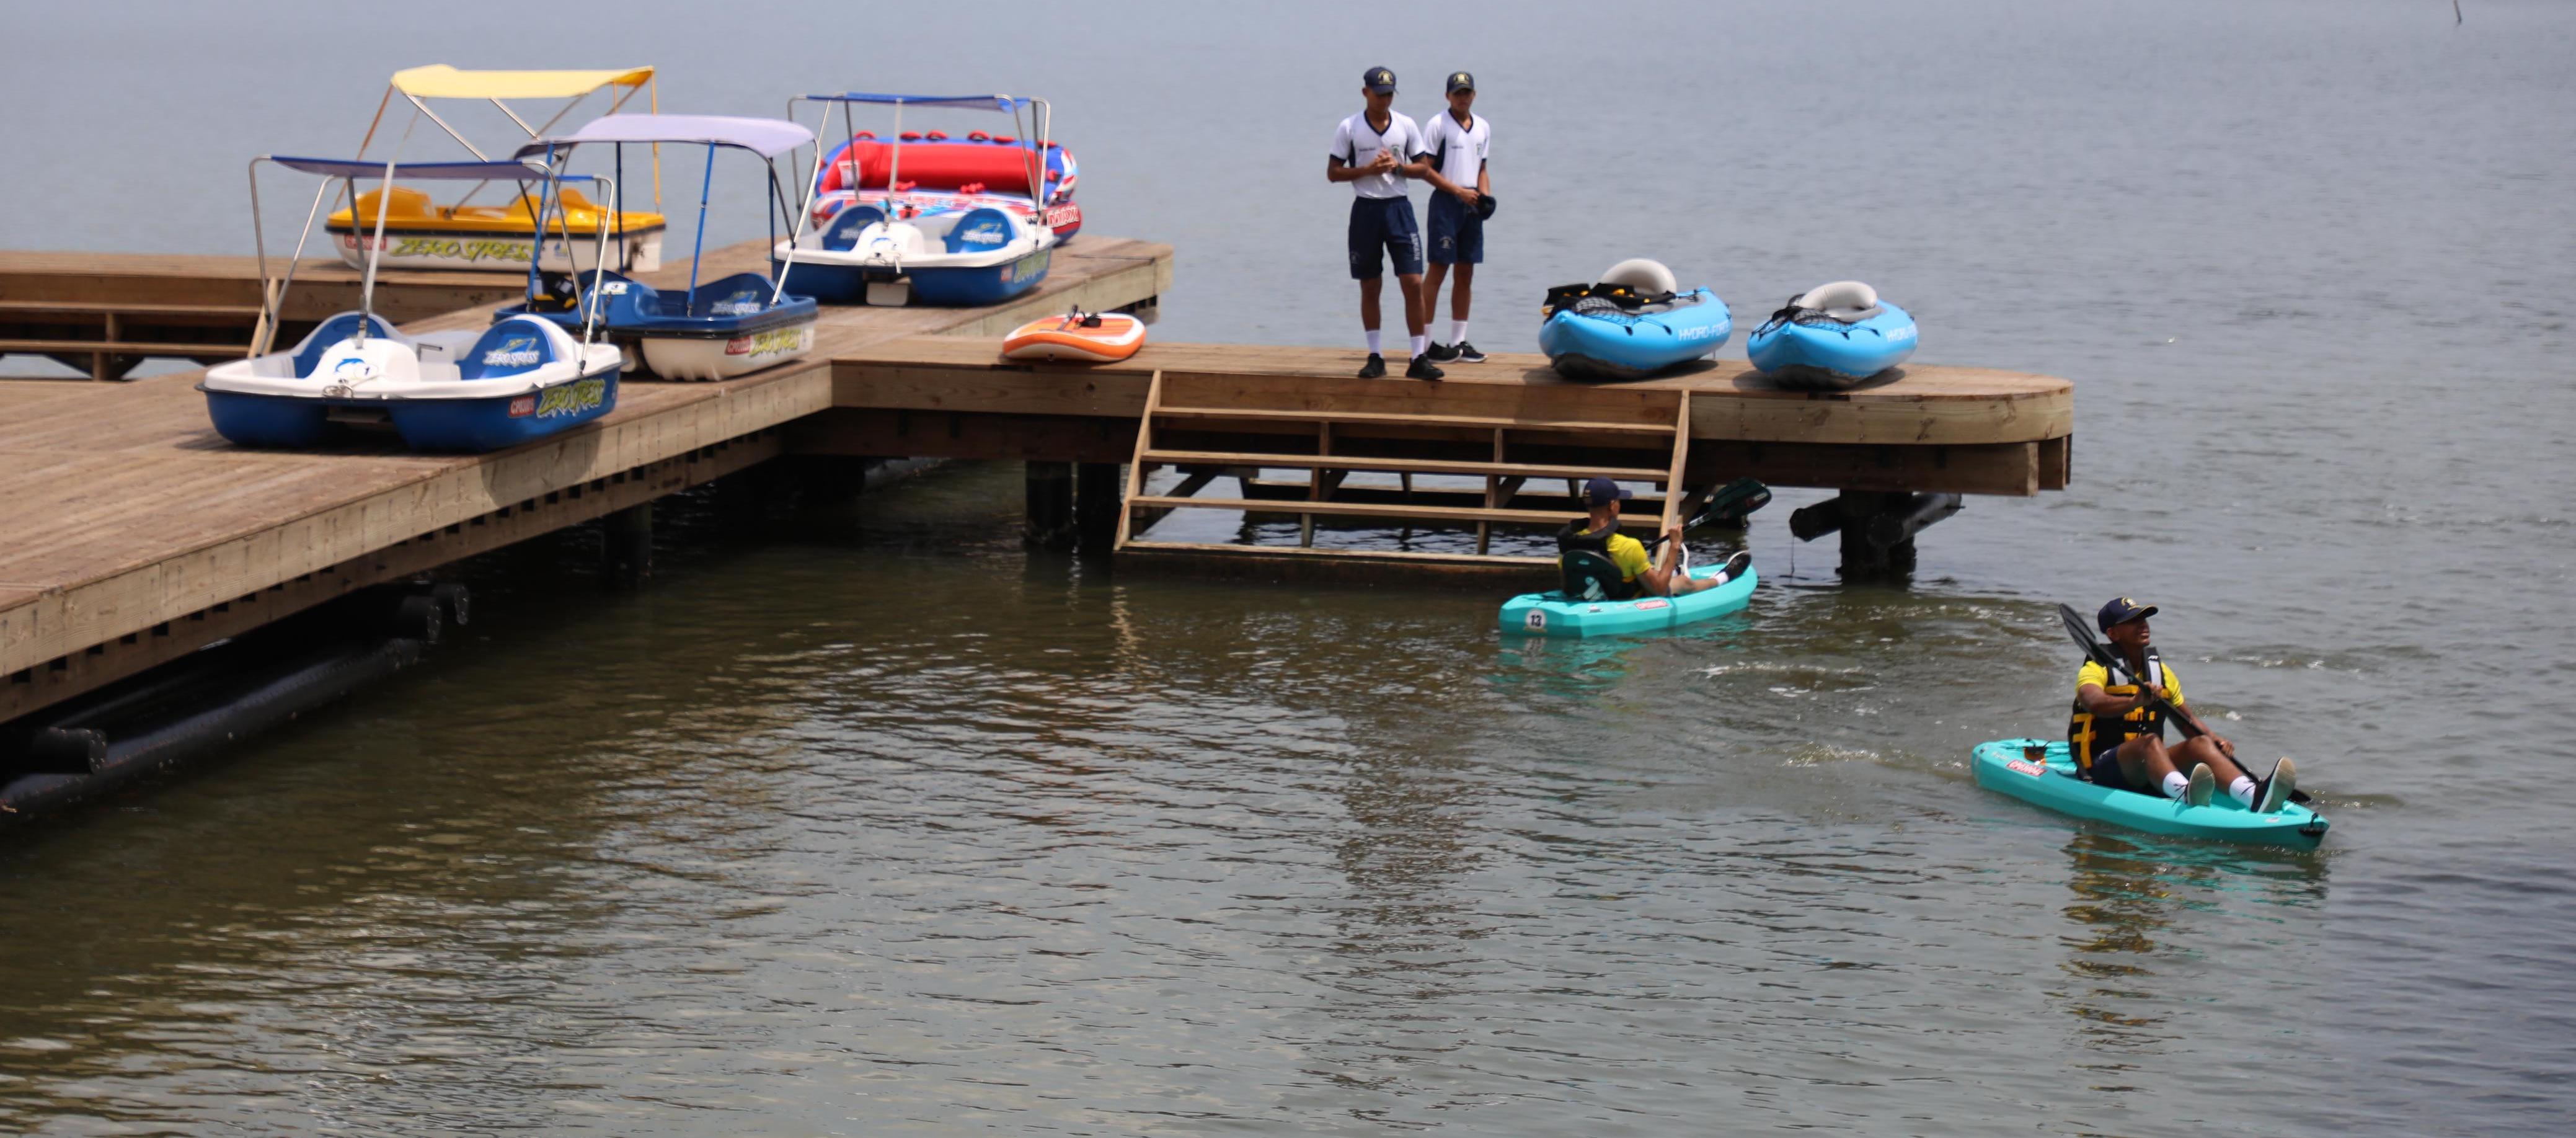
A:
(132, 533)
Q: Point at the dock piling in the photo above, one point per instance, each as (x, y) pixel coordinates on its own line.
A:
(1050, 519)
(1097, 490)
(626, 546)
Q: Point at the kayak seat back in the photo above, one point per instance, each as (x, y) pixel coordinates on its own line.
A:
(1591, 576)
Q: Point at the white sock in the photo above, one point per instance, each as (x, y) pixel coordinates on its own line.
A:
(1457, 331)
(1420, 342)
(1373, 341)
(2177, 787)
(2242, 790)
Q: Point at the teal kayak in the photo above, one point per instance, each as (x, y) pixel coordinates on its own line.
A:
(1550, 614)
(2051, 781)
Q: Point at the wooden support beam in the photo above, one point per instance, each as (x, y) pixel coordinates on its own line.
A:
(1096, 491)
(1048, 521)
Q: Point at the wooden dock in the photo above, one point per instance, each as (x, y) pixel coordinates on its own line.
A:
(132, 534)
(1234, 411)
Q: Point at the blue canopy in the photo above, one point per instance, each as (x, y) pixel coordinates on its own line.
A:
(1003, 103)
(421, 171)
(768, 138)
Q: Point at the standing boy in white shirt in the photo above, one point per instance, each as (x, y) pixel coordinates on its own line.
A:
(1459, 142)
(1375, 151)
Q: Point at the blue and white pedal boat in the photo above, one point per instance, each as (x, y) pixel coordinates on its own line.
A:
(1631, 323)
(716, 330)
(889, 252)
(1833, 337)
(514, 382)
(518, 380)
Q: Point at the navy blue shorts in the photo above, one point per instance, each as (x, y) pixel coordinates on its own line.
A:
(2106, 772)
(1384, 226)
(1457, 234)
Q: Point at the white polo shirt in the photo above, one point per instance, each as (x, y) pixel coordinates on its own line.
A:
(1460, 150)
(1355, 143)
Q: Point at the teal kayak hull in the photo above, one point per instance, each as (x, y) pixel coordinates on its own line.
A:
(1550, 614)
(2053, 783)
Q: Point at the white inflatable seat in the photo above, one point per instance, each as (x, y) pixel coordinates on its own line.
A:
(1847, 301)
(1649, 277)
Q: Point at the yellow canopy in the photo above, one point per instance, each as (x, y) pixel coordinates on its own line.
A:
(439, 81)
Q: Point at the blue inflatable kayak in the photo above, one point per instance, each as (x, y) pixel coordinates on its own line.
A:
(1601, 339)
(1833, 336)
(2050, 780)
(1551, 614)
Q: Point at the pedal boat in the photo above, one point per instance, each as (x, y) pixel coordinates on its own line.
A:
(502, 238)
(716, 330)
(948, 175)
(514, 382)
(899, 249)
(468, 390)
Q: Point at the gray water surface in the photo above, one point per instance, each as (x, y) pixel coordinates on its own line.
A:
(864, 821)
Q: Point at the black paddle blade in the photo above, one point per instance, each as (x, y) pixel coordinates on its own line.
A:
(2082, 632)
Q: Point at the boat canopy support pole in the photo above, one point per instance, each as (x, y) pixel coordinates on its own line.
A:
(698, 248)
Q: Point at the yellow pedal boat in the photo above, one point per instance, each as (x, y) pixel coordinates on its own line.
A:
(419, 234)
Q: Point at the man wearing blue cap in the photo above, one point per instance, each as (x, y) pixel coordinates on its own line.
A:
(1600, 534)
(1459, 139)
(2117, 731)
(1375, 151)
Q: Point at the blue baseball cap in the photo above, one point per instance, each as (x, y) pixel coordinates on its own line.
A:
(2122, 610)
(1601, 491)
(1379, 81)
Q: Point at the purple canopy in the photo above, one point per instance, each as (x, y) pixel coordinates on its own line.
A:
(768, 138)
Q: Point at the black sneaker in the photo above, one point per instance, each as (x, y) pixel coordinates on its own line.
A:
(1440, 353)
(1421, 368)
(1465, 353)
(1375, 367)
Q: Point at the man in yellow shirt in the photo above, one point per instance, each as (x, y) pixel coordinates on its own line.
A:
(2117, 732)
(1638, 574)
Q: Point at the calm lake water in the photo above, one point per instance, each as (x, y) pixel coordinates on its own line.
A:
(864, 821)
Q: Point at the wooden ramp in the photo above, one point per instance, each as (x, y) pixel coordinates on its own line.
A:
(1214, 427)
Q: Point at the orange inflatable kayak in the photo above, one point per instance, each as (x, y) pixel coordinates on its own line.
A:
(1081, 336)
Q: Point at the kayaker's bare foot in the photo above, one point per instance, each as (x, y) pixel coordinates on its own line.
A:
(2204, 785)
(2276, 789)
